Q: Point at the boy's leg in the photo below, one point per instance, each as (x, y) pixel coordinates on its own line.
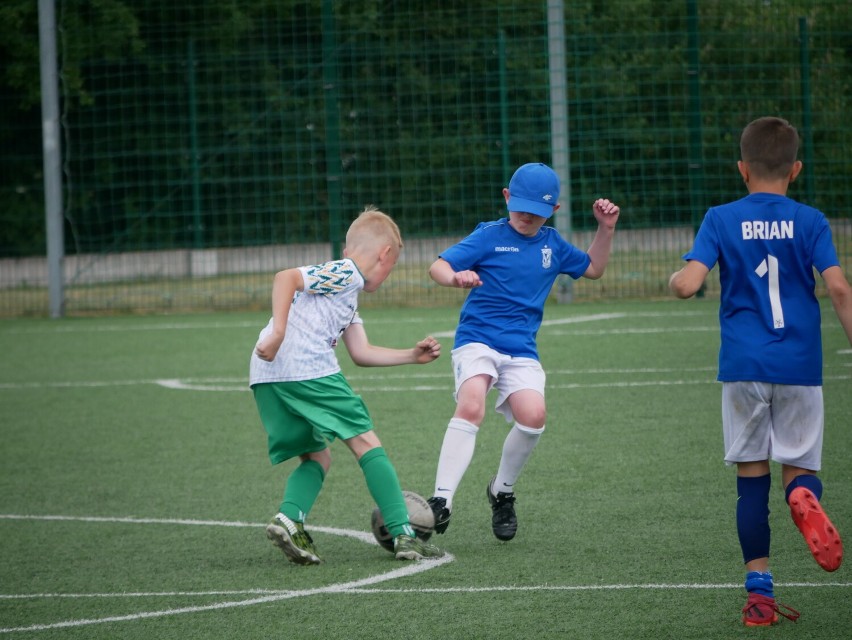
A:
(517, 448)
(803, 494)
(303, 487)
(383, 484)
(522, 385)
(287, 530)
(753, 515)
(754, 535)
(797, 443)
(460, 437)
(290, 434)
(455, 457)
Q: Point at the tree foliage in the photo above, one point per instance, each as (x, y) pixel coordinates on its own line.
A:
(206, 124)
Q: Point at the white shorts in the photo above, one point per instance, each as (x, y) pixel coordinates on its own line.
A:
(508, 374)
(763, 421)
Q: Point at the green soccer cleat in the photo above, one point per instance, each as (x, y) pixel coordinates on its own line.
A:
(408, 548)
(293, 540)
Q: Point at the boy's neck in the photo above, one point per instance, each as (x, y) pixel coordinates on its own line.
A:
(755, 183)
(359, 261)
(777, 187)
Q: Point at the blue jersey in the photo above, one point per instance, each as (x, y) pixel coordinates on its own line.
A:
(517, 274)
(767, 247)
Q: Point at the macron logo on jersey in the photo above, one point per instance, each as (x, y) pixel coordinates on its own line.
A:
(765, 230)
(509, 249)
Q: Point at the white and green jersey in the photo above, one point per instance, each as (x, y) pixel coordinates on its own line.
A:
(318, 317)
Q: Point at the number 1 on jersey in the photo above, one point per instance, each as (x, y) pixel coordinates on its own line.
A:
(770, 267)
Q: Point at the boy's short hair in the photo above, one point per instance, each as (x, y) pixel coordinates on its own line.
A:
(769, 146)
(373, 228)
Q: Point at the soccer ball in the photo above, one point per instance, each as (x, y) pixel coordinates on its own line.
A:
(419, 515)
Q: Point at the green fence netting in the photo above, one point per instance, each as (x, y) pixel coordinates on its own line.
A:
(207, 144)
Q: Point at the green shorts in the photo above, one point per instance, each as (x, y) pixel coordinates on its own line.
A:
(307, 415)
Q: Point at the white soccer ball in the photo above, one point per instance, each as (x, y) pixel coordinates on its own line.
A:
(419, 515)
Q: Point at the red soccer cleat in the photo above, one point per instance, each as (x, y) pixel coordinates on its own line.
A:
(822, 536)
(762, 611)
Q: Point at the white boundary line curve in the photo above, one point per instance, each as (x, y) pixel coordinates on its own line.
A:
(343, 587)
(267, 596)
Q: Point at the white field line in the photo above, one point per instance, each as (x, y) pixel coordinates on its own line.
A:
(440, 590)
(57, 328)
(241, 384)
(352, 533)
(343, 587)
(248, 324)
(352, 587)
(176, 326)
(408, 569)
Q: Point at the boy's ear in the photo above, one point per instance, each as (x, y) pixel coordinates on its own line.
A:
(743, 169)
(385, 253)
(796, 170)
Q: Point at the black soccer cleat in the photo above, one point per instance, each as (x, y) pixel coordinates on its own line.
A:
(442, 514)
(504, 522)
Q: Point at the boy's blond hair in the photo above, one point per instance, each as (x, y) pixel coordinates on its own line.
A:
(373, 228)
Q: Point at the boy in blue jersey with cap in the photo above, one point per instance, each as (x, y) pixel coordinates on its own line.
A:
(510, 266)
(770, 362)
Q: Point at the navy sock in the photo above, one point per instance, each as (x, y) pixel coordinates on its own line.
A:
(761, 583)
(753, 516)
(808, 481)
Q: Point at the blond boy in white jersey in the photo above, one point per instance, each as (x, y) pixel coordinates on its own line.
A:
(303, 399)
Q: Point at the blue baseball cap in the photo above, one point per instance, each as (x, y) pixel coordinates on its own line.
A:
(534, 188)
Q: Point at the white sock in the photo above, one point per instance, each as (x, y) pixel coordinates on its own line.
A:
(517, 448)
(456, 454)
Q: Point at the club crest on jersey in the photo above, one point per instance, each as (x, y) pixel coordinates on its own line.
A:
(546, 257)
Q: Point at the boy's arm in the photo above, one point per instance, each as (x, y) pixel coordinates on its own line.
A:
(442, 272)
(686, 282)
(606, 213)
(841, 297)
(365, 354)
(284, 286)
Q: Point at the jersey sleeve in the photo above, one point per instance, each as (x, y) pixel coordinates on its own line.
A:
(705, 248)
(328, 278)
(467, 253)
(574, 261)
(824, 253)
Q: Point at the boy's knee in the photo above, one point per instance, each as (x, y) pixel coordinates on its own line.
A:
(473, 412)
(323, 458)
(532, 417)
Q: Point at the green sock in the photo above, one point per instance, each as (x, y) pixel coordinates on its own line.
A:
(383, 484)
(303, 487)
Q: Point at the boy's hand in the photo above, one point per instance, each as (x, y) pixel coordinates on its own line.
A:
(427, 350)
(467, 279)
(267, 348)
(606, 212)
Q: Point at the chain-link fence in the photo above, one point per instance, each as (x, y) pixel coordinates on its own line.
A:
(208, 144)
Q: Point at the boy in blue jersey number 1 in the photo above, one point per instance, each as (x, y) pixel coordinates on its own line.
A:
(303, 399)
(770, 362)
(510, 266)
